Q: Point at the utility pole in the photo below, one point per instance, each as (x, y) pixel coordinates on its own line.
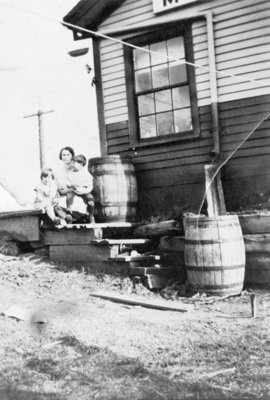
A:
(40, 114)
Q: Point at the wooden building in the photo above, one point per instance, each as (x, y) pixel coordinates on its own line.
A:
(173, 117)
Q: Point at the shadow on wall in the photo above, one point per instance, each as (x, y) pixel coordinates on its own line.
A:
(246, 194)
(169, 202)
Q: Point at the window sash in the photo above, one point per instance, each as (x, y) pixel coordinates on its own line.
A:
(156, 122)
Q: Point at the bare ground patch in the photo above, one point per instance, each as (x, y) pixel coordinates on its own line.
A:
(88, 348)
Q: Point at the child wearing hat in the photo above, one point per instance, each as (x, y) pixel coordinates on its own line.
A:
(46, 197)
(81, 183)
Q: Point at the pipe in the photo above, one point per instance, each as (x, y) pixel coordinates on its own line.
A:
(213, 84)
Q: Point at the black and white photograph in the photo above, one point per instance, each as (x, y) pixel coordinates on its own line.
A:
(135, 200)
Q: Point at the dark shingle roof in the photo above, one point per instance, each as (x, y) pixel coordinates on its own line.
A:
(90, 14)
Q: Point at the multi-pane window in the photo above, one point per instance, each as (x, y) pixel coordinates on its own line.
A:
(162, 88)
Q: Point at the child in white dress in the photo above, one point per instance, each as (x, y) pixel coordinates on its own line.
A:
(47, 197)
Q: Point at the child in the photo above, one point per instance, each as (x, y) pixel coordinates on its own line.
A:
(81, 183)
(46, 197)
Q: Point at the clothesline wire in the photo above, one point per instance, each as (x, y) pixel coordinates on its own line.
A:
(223, 163)
(171, 59)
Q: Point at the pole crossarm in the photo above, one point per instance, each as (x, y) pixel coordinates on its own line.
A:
(40, 112)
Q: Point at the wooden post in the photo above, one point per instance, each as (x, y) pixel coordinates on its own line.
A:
(253, 305)
(214, 192)
(39, 114)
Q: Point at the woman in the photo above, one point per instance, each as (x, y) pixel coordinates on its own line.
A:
(61, 177)
(66, 156)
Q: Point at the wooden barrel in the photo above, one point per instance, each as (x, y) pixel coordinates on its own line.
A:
(255, 223)
(115, 188)
(258, 269)
(214, 254)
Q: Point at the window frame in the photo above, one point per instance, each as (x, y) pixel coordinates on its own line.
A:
(165, 32)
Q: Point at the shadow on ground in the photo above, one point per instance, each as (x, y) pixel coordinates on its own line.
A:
(73, 370)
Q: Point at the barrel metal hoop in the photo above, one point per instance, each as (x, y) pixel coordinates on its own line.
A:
(216, 287)
(214, 241)
(114, 172)
(116, 204)
(215, 268)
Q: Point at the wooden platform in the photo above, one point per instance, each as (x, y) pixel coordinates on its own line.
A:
(109, 248)
(22, 225)
(86, 245)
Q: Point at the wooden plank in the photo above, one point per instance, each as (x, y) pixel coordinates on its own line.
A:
(118, 89)
(194, 150)
(129, 17)
(255, 224)
(258, 243)
(118, 74)
(113, 112)
(117, 126)
(112, 63)
(170, 177)
(19, 213)
(111, 70)
(199, 33)
(214, 192)
(73, 237)
(112, 54)
(118, 141)
(23, 227)
(257, 268)
(127, 6)
(80, 253)
(178, 162)
(244, 94)
(120, 148)
(142, 302)
(158, 229)
(102, 225)
(123, 133)
(141, 259)
(243, 167)
(258, 100)
(245, 111)
(111, 242)
(116, 104)
(117, 118)
(116, 82)
(240, 70)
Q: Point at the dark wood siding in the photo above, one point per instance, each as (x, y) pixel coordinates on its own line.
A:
(171, 176)
(118, 137)
(248, 171)
(167, 174)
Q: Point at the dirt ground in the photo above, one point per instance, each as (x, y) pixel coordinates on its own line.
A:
(69, 345)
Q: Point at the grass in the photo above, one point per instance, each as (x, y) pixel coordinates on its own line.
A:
(96, 349)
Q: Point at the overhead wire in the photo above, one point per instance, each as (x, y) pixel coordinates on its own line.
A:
(104, 36)
(258, 83)
(223, 163)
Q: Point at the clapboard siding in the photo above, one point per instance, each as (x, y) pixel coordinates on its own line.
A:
(117, 137)
(237, 169)
(166, 151)
(171, 175)
(175, 176)
(248, 170)
(242, 39)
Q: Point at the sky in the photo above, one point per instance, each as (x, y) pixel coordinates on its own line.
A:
(36, 72)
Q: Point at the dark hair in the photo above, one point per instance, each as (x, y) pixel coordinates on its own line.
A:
(46, 172)
(80, 159)
(70, 149)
